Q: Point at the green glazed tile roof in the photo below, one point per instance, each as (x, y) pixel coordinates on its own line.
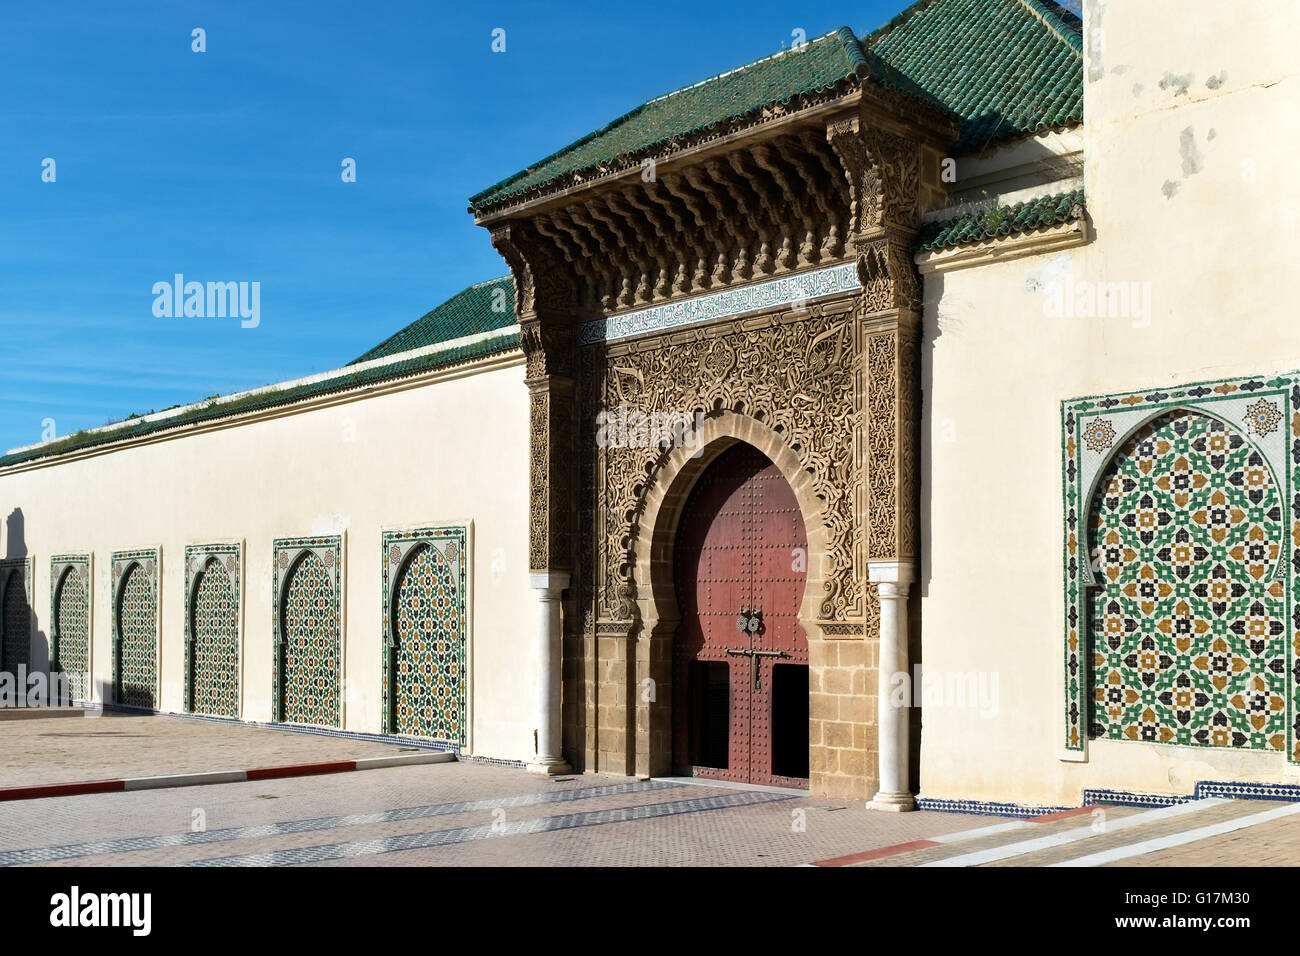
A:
(1002, 221)
(825, 63)
(461, 321)
(1005, 67)
(466, 313)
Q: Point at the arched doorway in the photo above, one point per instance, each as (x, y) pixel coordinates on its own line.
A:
(740, 657)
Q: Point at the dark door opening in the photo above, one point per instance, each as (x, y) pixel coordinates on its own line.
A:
(710, 726)
(790, 720)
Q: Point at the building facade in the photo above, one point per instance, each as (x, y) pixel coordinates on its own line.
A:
(868, 418)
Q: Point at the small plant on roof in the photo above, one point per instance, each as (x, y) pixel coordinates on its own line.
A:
(995, 213)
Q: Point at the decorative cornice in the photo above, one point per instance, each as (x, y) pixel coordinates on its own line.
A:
(787, 290)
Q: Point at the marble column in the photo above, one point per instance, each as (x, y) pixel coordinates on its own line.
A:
(546, 704)
(893, 580)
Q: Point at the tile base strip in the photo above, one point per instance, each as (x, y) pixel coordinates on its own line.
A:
(991, 808)
(1126, 798)
(1204, 790)
(1248, 791)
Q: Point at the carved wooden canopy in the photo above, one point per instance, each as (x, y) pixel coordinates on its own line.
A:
(844, 178)
(802, 188)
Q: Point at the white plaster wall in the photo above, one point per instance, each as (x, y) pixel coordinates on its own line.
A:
(1203, 97)
(453, 451)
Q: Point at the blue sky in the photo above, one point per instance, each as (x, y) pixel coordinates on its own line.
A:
(225, 166)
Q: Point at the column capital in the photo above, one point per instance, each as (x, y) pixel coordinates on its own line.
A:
(552, 582)
(892, 572)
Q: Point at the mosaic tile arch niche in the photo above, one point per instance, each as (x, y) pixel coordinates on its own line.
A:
(70, 621)
(1181, 555)
(307, 662)
(213, 611)
(425, 647)
(134, 664)
(15, 613)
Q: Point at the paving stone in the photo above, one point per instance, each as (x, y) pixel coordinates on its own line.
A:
(443, 815)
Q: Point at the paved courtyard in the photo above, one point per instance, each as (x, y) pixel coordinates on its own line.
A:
(476, 814)
(116, 744)
(455, 814)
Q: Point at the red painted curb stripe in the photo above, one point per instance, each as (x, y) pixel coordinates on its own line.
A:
(114, 786)
(877, 854)
(61, 789)
(1061, 815)
(301, 770)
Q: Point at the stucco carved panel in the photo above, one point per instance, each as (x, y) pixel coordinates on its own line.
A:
(794, 377)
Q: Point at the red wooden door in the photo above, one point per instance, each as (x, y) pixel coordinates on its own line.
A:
(740, 660)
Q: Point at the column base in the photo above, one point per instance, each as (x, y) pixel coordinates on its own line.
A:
(549, 766)
(892, 802)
